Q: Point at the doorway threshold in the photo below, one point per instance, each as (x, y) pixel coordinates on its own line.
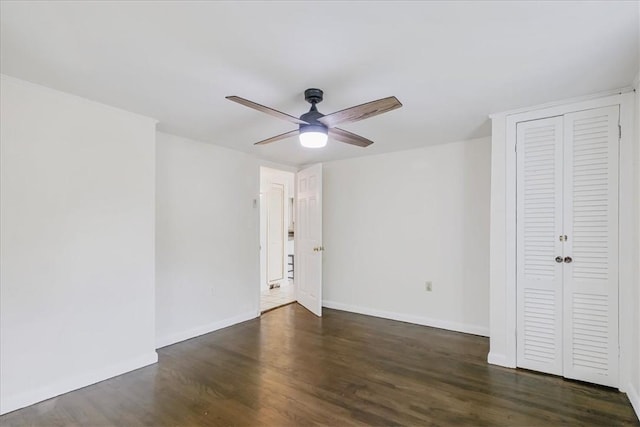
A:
(266, 310)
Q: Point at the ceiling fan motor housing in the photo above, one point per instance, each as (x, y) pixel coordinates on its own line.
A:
(313, 96)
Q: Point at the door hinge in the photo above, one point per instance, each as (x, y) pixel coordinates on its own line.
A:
(619, 131)
(515, 147)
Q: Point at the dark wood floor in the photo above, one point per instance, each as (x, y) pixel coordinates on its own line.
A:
(291, 368)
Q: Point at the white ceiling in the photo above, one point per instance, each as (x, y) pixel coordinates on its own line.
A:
(449, 63)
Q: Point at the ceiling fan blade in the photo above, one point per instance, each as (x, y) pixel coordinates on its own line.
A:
(360, 112)
(270, 111)
(278, 137)
(348, 137)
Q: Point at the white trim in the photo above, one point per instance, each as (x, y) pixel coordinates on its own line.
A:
(278, 166)
(627, 256)
(634, 398)
(511, 244)
(573, 100)
(561, 109)
(409, 318)
(504, 222)
(500, 360)
(499, 338)
(204, 329)
(78, 97)
(21, 400)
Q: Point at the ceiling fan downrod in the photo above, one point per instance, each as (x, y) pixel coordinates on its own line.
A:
(313, 96)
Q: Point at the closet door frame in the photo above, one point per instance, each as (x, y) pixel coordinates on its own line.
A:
(504, 126)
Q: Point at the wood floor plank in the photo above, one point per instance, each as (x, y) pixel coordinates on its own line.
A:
(290, 368)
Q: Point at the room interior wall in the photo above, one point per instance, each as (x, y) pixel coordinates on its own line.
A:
(394, 221)
(634, 388)
(207, 238)
(77, 242)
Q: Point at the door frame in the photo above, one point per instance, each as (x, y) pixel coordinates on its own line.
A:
(503, 227)
(258, 203)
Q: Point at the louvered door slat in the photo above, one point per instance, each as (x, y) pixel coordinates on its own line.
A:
(590, 282)
(539, 222)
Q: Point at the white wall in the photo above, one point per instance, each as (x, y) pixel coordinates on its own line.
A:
(393, 221)
(207, 242)
(634, 386)
(634, 382)
(77, 243)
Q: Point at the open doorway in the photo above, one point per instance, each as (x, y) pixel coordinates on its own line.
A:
(277, 225)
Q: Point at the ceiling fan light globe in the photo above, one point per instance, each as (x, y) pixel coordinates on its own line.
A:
(313, 139)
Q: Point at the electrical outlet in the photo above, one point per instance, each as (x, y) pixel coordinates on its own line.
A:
(427, 286)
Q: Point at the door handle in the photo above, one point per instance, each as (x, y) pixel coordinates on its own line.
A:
(559, 259)
(318, 249)
(568, 259)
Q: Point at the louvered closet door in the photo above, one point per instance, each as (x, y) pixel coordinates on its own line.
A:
(591, 224)
(539, 223)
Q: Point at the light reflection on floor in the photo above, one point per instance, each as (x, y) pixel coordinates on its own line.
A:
(272, 298)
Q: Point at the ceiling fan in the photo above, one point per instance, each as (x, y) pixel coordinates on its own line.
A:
(314, 128)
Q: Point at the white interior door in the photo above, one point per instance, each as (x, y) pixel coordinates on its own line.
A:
(539, 249)
(308, 240)
(567, 245)
(591, 224)
(275, 199)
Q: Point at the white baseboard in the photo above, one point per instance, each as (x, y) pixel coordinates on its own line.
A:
(11, 403)
(500, 360)
(409, 318)
(634, 398)
(204, 329)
